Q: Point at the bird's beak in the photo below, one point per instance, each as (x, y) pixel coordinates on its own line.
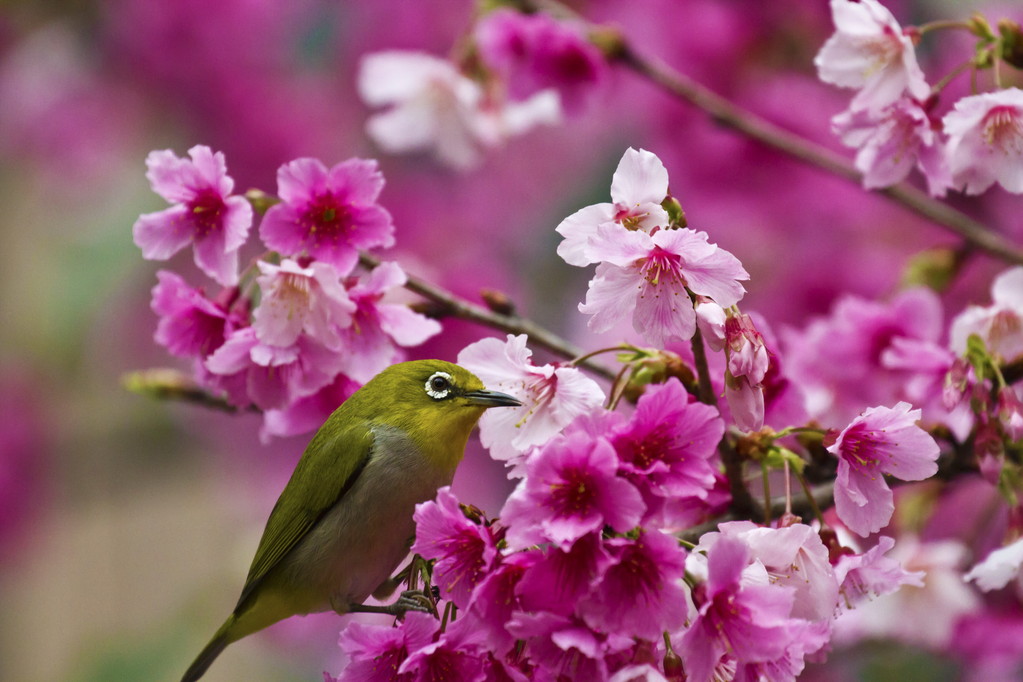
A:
(491, 399)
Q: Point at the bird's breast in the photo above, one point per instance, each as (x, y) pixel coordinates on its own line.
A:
(361, 540)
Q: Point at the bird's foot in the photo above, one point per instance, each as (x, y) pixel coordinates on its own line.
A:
(409, 600)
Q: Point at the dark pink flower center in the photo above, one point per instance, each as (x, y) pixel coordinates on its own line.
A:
(644, 450)
(327, 218)
(860, 447)
(575, 493)
(207, 212)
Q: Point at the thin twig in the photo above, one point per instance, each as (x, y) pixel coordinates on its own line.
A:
(762, 130)
(453, 306)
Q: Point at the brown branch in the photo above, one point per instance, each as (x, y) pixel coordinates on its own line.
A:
(771, 135)
(452, 306)
(171, 384)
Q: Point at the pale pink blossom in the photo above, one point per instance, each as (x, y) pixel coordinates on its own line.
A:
(985, 146)
(869, 51)
(882, 440)
(552, 395)
(998, 568)
(747, 367)
(204, 213)
(296, 300)
(380, 325)
(999, 325)
(891, 141)
(872, 574)
(645, 277)
(639, 185)
(433, 107)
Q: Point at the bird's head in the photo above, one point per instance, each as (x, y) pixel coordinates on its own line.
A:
(431, 400)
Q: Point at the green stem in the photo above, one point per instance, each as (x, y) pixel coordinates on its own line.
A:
(941, 24)
(767, 493)
(811, 499)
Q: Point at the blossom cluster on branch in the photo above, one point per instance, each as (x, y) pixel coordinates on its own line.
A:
(711, 418)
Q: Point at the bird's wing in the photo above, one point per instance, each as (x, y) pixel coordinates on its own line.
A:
(330, 465)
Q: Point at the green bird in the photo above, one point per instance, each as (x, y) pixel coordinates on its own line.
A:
(344, 521)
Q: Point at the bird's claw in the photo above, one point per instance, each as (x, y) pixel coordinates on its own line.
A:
(409, 600)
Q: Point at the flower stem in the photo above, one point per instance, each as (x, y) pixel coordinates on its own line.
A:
(706, 388)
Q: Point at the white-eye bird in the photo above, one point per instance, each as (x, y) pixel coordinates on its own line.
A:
(344, 521)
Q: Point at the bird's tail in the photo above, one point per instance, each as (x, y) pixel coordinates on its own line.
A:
(210, 652)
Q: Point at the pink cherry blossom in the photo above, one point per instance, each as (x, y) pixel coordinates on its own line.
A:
(559, 580)
(433, 107)
(793, 556)
(380, 326)
(641, 593)
(190, 325)
(308, 413)
(533, 52)
(328, 213)
(646, 277)
(296, 300)
(986, 141)
(465, 551)
(891, 141)
(872, 574)
(203, 213)
(564, 647)
(495, 599)
(377, 651)
(748, 622)
(747, 368)
(457, 654)
(870, 51)
(639, 185)
(552, 395)
(571, 488)
(882, 440)
(668, 449)
(271, 377)
(999, 325)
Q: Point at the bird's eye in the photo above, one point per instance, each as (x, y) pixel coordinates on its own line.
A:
(438, 386)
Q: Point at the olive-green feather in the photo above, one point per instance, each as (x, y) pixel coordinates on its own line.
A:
(328, 467)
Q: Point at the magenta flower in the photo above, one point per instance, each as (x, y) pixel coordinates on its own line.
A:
(190, 324)
(794, 556)
(552, 395)
(296, 300)
(639, 185)
(379, 326)
(533, 52)
(564, 647)
(747, 622)
(328, 213)
(570, 489)
(870, 51)
(559, 580)
(882, 440)
(495, 600)
(646, 277)
(465, 551)
(641, 594)
(378, 651)
(271, 377)
(985, 143)
(667, 448)
(872, 574)
(203, 213)
(456, 655)
(890, 142)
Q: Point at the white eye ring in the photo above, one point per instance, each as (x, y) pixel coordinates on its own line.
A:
(438, 386)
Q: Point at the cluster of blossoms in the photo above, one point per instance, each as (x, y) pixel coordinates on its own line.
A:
(520, 71)
(583, 574)
(892, 120)
(299, 330)
(582, 577)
